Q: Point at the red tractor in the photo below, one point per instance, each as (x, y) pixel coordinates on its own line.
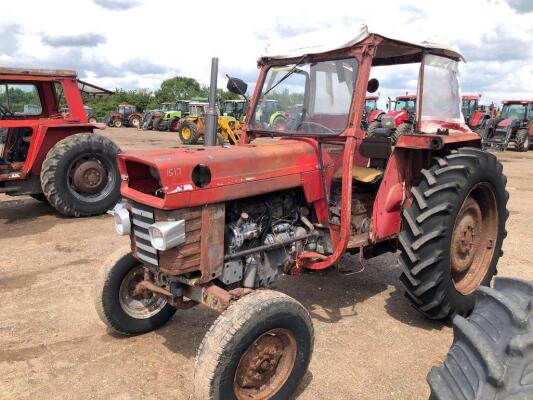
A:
(476, 115)
(513, 125)
(372, 112)
(216, 225)
(399, 120)
(51, 155)
(126, 115)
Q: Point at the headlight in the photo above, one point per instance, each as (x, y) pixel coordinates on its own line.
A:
(168, 234)
(122, 221)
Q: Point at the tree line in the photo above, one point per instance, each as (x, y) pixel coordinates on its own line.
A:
(171, 90)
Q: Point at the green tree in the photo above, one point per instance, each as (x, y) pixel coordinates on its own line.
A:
(179, 88)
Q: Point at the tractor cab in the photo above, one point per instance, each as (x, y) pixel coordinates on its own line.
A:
(126, 109)
(234, 108)
(514, 125)
(469, 106)
(170, 106)
(211, 225)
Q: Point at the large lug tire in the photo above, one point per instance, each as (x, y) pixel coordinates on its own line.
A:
(134, 122)
(80, 176)
(522, 140)
(155, 123)
(39, 197)
(280, 123)
(117, 307)
(117, 123)
(163, 125)
(372, 127)
(452, 232)
(174, 125)
(402, 129)
(491, 356)
(259, 348)
(189, 133)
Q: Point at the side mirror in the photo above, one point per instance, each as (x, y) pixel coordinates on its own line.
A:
(372, 86)
(237, 86)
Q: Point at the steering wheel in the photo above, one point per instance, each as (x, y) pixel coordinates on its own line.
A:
(6, 112)
(317, 124)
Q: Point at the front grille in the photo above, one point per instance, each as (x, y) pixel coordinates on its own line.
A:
(142, 218)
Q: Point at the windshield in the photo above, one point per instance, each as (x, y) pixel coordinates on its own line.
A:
(405, 104)
(168, 107)
(514, 111)
(310, 98)
(468, 107)
(229, 108)
(371, 105)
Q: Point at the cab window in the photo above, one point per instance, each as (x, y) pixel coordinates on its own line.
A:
(20, 99)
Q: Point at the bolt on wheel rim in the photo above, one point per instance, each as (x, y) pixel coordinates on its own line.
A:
(473, 239)
(266, 365)
(138, 306)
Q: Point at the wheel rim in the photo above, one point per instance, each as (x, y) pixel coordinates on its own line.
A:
(135, 122)
(90, 178)
(118, 124)
(186, 133)
(266, 365)
(474, 239)
(138, 306)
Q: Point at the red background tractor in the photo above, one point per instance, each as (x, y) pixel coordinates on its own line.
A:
(52, 155)
(398, 120)
(513, 125)
(372, 112)
(126, 115)
(476, 115)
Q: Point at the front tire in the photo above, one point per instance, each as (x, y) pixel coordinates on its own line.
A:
(115, 304)
(372, 127)
(189, 133)
(402, 129)
(259, 348)
(522, 140)
(80, 176)
(452, 233)
(491, 356)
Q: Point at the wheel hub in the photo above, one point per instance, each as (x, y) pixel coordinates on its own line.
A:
(89, 177)
(266, 365)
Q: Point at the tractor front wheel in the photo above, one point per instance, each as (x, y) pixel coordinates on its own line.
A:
(259, 348)
(372, 127)
(118, 305)
(188, 132)
(174, 125)
(452, 232)
(402, 129)
(80, 176)
(522, 140)
(117, 123)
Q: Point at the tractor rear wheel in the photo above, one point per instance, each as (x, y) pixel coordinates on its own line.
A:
(452, 232)
(163, 125)
(174, 125)
(134, 121)
(155, 123)
(372, 127)
(116, 302)
(522, 140)
(80, 176)
(189, 133)
(39, 197)
(491, 356)
(259, 348)
(402, 129)
(117, 123)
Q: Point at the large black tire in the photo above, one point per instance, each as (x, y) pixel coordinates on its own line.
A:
(372, 127)
(117, 123)
(462, 196)
(402, 129)
(174, 125)
(522, 140)
(155, 123)
(239, 329)
(59, 162)
(134, 122)
(194, 135)
(110, 301)
(492, 352)
(163, 125)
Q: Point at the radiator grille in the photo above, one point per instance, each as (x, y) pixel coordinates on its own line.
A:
(142, 218)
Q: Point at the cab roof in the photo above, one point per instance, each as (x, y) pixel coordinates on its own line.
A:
(517, 101)
(389, 51)
(57, 73)
(471, 97)
(406, 97)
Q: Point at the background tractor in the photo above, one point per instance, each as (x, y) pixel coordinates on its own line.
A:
(514, 125)
(476, 115)
(372, 112)
(235, 109)
(126, 115)
(192, 128)
(398, 121)
(216, 225)
(171, 117)
(51, 155)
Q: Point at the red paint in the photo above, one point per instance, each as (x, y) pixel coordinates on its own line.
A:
(504, 122)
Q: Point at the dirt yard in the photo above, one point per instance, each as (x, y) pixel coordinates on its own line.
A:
(370, 344)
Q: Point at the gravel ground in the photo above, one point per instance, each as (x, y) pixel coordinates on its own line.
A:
(370, 344)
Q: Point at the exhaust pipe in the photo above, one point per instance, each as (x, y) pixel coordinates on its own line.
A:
(211, 116)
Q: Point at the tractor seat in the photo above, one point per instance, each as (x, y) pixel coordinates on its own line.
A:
(363, 175)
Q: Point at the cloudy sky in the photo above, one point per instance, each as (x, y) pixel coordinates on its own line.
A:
(138, 43)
